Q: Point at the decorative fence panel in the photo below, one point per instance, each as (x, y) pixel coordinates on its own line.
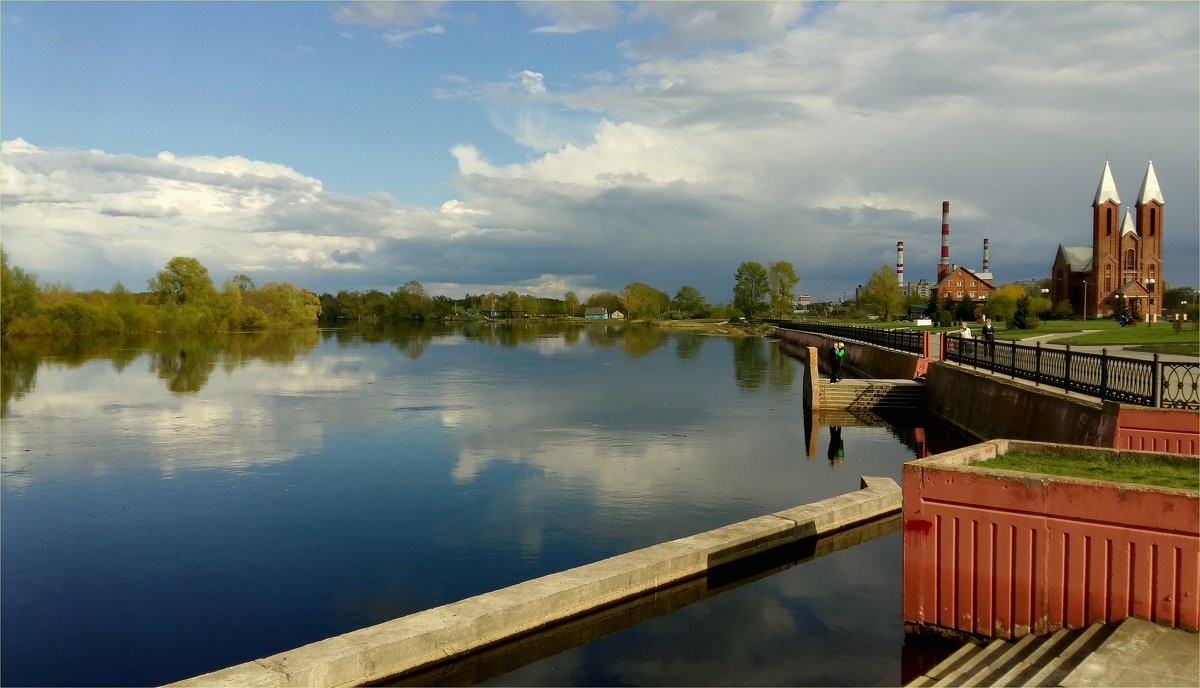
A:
(1116, 378)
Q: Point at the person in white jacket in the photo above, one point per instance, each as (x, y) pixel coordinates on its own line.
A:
(963, 330)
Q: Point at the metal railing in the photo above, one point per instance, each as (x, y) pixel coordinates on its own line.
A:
(1116, 378)
(910, 341)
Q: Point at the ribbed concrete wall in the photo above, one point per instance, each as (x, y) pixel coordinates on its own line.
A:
(424, 638)
(1161, 430)
(1005, 554)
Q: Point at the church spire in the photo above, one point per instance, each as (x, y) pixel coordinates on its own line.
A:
(1107, 191)
(1150, 189)
(1127, 227)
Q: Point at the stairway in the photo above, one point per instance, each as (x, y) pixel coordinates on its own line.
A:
(872, 395)
(1031, 661)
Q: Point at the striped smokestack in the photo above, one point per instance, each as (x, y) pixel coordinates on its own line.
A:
(985, 256)
(944, 265)
(900, 262)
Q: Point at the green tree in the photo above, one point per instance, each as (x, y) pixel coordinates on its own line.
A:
(184, 281)
(570, 303)
(965, 310)
(643, 301)
(881, 296)
(18, 293)
(1023, 318)
(750, 289)
(690, 302)
(781, 279)
(605, 299)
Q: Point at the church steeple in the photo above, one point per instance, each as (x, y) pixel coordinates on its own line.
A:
(1150, 189)
(1107, 191)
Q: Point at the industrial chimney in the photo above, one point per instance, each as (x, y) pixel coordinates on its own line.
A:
(985, 256)
(900, 262)
(944, 265)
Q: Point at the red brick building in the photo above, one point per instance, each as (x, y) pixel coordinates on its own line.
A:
(1124, 262)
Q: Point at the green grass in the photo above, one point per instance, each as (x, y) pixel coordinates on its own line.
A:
(1161, 471)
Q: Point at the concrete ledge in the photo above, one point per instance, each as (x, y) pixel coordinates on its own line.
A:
(420, 639)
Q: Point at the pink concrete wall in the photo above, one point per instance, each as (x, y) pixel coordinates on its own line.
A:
(1161, 430)
(1004, 554)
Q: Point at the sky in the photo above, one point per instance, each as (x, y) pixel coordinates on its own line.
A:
(551, 147)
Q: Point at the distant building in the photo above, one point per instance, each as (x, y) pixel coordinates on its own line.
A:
(921, 288)
(962, 283)
(617, 315)
(1123, 264)
(595, 313)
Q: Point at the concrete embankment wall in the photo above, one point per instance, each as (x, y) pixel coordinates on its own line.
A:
(868, 359)
(988, 406)
(419, 640)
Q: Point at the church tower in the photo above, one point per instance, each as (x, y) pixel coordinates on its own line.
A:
(1148, 211)
(1106, 242)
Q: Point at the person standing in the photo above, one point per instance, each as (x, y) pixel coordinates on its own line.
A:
(835, 361)
(963, 330)
(989, 335)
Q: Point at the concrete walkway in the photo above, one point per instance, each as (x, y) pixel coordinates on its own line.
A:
(1052, 340)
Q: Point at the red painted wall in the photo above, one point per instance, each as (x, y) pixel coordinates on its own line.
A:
(1004, 554)
(1160, 430)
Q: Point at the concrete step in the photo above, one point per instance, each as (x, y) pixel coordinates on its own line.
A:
(1031, 661)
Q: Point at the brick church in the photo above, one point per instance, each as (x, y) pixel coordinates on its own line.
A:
(1123, 264)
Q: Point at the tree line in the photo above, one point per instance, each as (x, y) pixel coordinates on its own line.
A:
(182, 298)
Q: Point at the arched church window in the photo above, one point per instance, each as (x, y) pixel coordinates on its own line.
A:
(1108, 222)
(1153, 217)
(1130, 260)
(1107, 278)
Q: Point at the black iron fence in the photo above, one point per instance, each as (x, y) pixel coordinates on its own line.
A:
(911, 341)
(1126, 380)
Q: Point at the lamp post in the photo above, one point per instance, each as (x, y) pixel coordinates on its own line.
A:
(1085, 300)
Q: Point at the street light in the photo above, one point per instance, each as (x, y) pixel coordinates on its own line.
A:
(1085, 300)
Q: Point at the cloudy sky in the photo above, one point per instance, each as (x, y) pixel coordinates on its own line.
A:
(546, 147)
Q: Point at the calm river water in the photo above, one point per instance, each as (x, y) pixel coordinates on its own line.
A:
(172, 506)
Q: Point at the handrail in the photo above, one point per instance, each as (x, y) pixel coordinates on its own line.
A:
(911, 341)
(1126, 380)
(1114, 378)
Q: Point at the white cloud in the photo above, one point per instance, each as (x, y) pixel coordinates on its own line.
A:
(533, 82)
(573, 17)
(398, 38)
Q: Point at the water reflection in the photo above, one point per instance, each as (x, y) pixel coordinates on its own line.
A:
(181, 475)
(184, 363)
(518, 654)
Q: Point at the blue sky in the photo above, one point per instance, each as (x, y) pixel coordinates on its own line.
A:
(542, 147)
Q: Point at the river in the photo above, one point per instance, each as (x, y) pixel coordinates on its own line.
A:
(171, 506)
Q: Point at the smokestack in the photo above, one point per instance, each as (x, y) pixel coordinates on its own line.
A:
(985, 256)
(900, 262)
(944, 265)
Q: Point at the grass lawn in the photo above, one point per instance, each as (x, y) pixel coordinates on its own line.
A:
(1161, 471)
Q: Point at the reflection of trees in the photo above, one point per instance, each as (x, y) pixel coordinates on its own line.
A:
(749, 362)
(782, 371)
(687, 346)
(642, 339)
(184, 362)
(756, 362)
(18, 371)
